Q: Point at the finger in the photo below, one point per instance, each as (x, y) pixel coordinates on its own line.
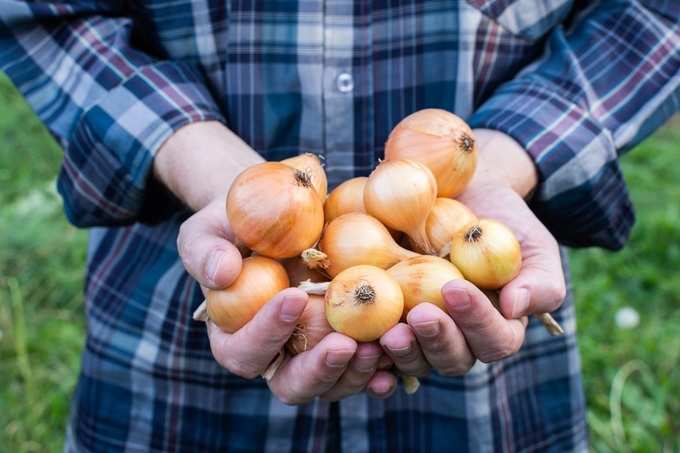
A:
(489, 335)
(382, 385)
(401, 345)
(540, 286)
(441, 340)
(206, 252)
(314, 372)
(249, 351)
(360, 370)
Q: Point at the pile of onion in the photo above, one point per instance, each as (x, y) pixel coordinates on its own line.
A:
(340, 247)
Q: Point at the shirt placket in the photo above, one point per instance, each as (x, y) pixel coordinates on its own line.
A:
(338, 90)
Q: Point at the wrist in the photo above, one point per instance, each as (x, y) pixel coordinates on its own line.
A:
(199, 162)
(503, 161)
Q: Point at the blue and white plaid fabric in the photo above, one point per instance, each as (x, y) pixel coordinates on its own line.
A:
(576, 83)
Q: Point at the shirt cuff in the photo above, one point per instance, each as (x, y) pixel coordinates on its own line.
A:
(581, 195)
(107, 165)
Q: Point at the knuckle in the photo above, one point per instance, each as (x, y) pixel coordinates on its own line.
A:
(241, 369)
(181, 240)
(355, 382)
(495, 354)
(455, 370)
(437, 346)
(290, 400)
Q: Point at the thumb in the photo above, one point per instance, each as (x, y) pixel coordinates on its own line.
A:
(211, 259)
(539, 288)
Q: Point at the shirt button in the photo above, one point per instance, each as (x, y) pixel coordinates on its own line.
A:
(345, 82)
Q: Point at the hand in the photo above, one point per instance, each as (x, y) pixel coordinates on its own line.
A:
(472, 328)
(335, 368)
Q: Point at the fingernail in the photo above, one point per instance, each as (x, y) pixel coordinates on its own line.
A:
(457, 299)
(214, 261)
(427, 329)
(520, 303)
(382, 388)
(338, 359)
(291, 308)
(400, 352)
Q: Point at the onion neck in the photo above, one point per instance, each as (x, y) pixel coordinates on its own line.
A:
(303, 177)
(474, 234)
(419, 236)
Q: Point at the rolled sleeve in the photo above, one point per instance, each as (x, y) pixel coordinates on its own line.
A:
(107, 166)
(108, 104)
(598, 90)
(582, 196)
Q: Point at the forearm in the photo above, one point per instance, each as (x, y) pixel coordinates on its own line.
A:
(200, 161)
(502, 160)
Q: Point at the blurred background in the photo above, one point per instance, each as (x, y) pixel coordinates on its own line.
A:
(628, 303)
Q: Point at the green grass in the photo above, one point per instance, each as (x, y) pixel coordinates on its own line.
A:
(42, 325)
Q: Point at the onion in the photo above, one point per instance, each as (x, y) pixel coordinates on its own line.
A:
(440, 140)
(274, 210)
(260, 279)
(488, 254)
(363, 302)
(311, 164)
(354, 239)
(347, 197)
(401, 193)
(446, 218)
(421, 280)
(311, 328)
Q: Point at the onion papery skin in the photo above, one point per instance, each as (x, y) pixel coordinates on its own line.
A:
(311, 328)
(310, 163)
(298, 272)
(274, 210)
(260, 280)
(488, 254)
(363, 302)
(421, 280)
(354, 239)
(401, 194)
(440, 140)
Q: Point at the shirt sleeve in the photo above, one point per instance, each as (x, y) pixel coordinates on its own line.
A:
(109, 105)
(599, 89)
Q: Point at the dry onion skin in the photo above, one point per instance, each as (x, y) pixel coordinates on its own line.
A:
(311, 328)
(353, 239)
(260, 279)
(298, 272)
(401, 193)
(345, 198)
(440, 140)
(275, 210)
(488, 254)
(421, 280)
(311, 164)
(363, 302)
(446, 218)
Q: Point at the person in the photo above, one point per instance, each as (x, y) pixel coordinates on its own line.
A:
(159, 104)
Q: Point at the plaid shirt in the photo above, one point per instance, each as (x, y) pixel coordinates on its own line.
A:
(113, 79)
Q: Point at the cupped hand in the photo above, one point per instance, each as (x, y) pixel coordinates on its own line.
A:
(472, 328)
(335, 368)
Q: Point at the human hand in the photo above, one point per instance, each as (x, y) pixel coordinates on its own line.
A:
(472, 328)
(335, 368)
